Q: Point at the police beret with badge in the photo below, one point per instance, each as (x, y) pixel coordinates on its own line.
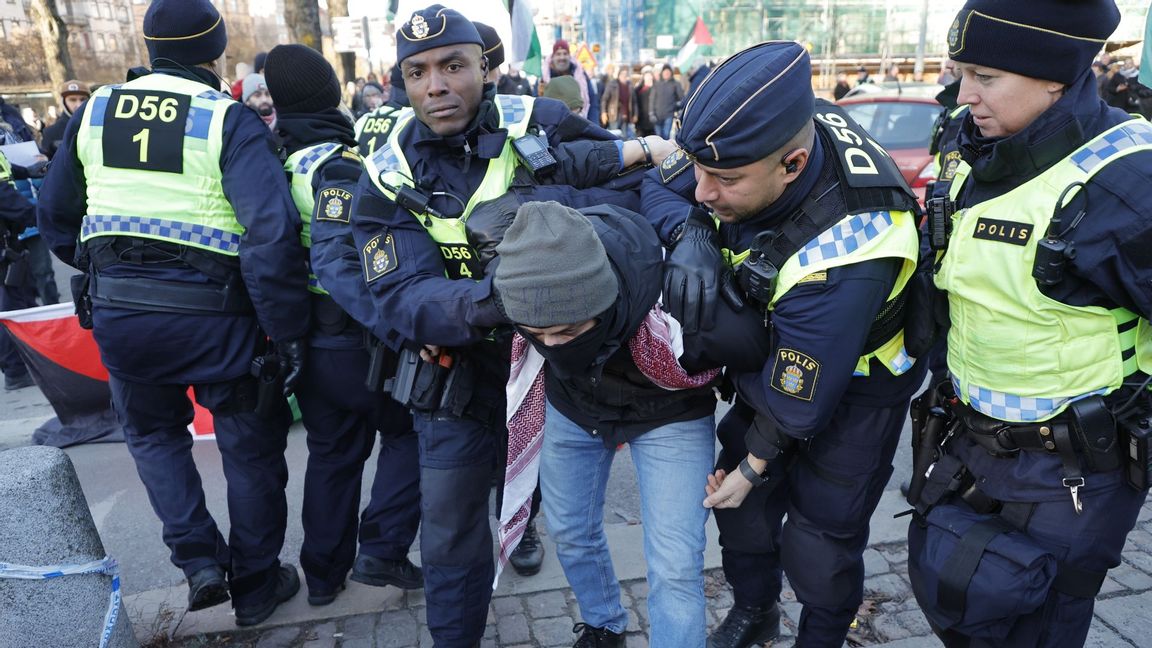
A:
(432, 27)
(749, 106)
(1054, 40)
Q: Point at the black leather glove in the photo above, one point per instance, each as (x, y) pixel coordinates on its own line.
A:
(38, 169)
(693, 273)
(487, 223)
(293, 355)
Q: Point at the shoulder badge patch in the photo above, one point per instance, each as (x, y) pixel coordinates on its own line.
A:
(674, 165)
(795, 374)
(333, 204)
(379, 257)
(951, 163)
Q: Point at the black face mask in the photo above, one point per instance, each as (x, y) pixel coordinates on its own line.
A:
(575, 357)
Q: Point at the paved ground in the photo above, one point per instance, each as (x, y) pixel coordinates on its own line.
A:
(526, 612)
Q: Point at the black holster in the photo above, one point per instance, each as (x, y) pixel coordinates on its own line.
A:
(269, 374)
(81, 299)
(932, 416)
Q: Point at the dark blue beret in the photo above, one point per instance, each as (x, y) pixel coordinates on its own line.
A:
(189, 32)
(432, 27)
(1054, 40)
(749, 106)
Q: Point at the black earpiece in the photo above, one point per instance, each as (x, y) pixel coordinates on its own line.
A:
(791, 167)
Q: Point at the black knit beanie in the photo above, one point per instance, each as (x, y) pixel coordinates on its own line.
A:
(1054, 40)
(301, 80)
(189, 32)
(553, 268)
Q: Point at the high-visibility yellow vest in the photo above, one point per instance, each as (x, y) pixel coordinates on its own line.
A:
(163, 179)
(1015, 354)
(855, 239)
(389, 168)
(301, 167)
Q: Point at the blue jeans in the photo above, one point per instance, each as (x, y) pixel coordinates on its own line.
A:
(664, 128)
(672, 465)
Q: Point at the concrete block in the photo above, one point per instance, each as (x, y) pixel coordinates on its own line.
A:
(45, 522)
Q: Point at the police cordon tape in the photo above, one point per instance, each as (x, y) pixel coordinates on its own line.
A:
(107, 566)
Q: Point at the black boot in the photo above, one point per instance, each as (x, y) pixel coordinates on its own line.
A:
(529, 554)
(596, 637)
(747, 626)
(206, 588)
(379, 572)
(287, 584)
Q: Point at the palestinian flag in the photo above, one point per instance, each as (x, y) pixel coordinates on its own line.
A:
(65, 362)
(525, 50)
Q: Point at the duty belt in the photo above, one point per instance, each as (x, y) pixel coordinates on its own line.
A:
(1004, 439)
(169, 296)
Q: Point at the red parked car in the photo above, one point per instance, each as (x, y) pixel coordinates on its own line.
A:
(900, 119)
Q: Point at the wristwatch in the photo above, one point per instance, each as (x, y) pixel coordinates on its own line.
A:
(757, 479)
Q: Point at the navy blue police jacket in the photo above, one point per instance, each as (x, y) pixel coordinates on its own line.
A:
(17, 212)
(418, 303)
(273, 263)
(827, 320)
(1113, 262)
(334, 258)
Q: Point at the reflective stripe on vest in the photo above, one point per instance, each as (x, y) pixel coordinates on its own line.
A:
(188, 208)
(856, 238)
(1016, 354)
(389, 167)
(302, 166)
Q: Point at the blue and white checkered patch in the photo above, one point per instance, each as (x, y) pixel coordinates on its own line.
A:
(513, 109)
(199, 122)
(213, 95)
(902, 363)
(385, 159)
(1097, 152)
(304, 164)
(845, 238)
(1013, 408)
(191, 233)
(96, 107)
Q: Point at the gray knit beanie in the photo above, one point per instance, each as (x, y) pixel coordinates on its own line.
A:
(553, 268)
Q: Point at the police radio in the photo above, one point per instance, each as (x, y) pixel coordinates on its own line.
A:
(1053, 252)
(532, 151)
(757, 275)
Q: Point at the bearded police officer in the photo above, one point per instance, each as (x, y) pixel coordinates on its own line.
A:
(456, 149)
(341, 414)
(167, 191)
(813, 220)
(1043, 251)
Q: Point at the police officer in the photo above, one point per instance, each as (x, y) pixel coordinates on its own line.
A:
(820, 232)
(1046, 273)
(341, 415)
(167, 191)
(373, 127)
(16, 288)
(409, 218)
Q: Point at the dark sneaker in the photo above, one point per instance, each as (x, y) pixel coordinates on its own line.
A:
(206, 588)
(323, 596)
(287, 584)
(379, 572)
(19, 382)
(747, 626)
(596, 637)
(529, 554)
